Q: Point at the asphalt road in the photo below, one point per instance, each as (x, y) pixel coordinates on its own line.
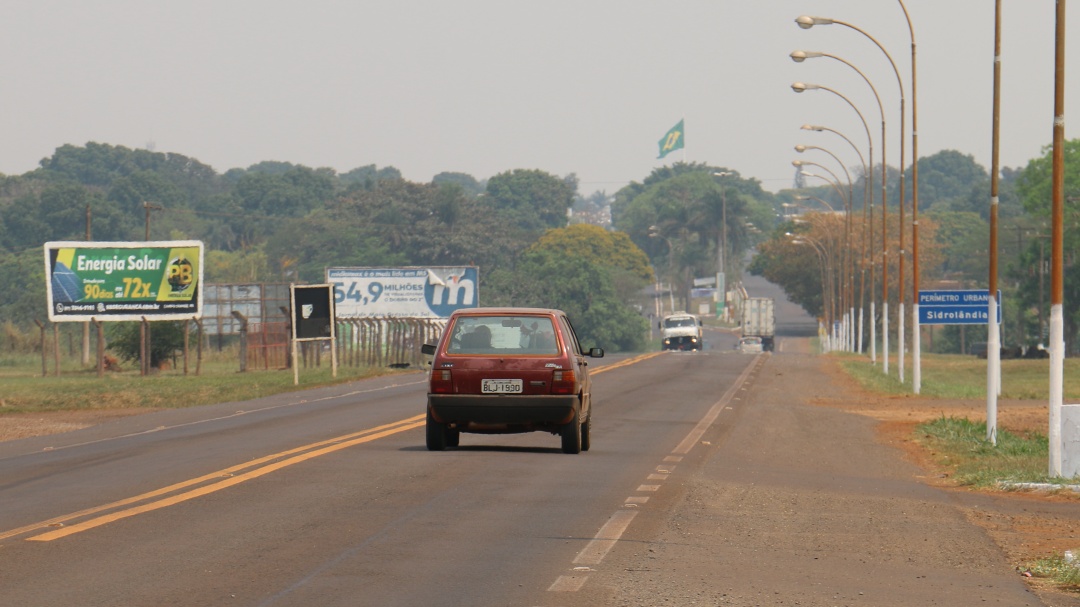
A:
(329, 497)
(714, 479)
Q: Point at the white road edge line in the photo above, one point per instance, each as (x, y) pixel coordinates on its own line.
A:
(695, 435)
(605, 539)
(595, 551)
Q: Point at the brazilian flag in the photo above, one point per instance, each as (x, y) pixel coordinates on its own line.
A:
(674, 140)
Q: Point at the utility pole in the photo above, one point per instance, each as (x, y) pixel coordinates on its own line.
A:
(144, 326)
(86, 325)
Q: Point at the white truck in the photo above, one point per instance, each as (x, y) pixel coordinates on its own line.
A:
(681, 331)
(758, 321)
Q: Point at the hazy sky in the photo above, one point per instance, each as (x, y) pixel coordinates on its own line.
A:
(485, 86)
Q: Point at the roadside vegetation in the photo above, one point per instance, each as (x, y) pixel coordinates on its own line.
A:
(958, 447)
(78, 389)
(957, 376)
(1061, 570)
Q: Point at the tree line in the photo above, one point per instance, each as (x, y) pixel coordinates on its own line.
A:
(282, 222)
(954, 229)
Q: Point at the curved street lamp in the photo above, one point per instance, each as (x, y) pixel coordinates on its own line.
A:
(801, 56)
(721, 243)
(916, 376)
(825, 265)
(867, 240)
(807, 22)
(851, 232)
(821, 201)
(847, 278)
(800, 87)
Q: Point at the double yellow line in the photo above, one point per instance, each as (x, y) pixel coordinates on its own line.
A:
(204, 485)
(68, 524)
(625, 363)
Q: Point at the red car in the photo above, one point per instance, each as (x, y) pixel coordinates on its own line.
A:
(508, 370)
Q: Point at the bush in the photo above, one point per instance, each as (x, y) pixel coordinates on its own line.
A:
(166, 338)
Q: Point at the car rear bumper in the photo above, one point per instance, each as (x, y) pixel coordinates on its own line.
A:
(475, 412)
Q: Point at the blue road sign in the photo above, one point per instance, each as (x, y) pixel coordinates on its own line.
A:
(968, 307)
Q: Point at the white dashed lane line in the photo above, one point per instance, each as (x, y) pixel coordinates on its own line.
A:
(605, 539)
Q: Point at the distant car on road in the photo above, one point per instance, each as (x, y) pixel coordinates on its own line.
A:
(509, 370)
(750, 344)
(681, 331)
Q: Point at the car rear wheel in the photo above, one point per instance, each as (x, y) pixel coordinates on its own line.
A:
(436, 434)
(571, 436)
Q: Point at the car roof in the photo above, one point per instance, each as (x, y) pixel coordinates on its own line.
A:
(507, 312)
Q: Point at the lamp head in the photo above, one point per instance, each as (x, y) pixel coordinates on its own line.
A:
(800, 56)
(806, 22)
(800, 148)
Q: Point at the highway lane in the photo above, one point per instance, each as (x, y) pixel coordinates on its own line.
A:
(329, 497)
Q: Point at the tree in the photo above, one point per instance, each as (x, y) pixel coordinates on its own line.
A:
(58, 212)
(22, 277)
(468, 184)
(167, 337)
(627, 265)
(963, 239)
(531, 200)
(368, 177)
(793, 269)
(584, 290)
(948, 176)
(681, 220)
(292, 193)
(1035, 186)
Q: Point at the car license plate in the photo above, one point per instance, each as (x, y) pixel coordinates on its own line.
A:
(501, 386)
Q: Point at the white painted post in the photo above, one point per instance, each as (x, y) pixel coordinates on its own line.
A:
(1070, 441)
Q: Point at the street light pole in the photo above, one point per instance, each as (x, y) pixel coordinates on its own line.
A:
(144, 326)
(1057, 234)
(916, 363)
(721, 245)
(800, 87)
(849, 264)
(867, 239)
(826, 281)
(807, 22)
(993, 348)
(799, 57)
(846, 278)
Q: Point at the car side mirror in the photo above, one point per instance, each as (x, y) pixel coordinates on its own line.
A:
(428, 349)
(596, 352)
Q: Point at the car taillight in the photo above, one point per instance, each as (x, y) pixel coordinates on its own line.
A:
(441, 381)
(562, 382)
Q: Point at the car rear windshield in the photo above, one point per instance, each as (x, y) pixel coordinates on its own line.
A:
(503, 335)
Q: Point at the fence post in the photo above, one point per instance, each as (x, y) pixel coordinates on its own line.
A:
(100, 347)
(289, 350)
(56, 348)
(187, 333)
(44, 355)
(198, 348)
(243, 339)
